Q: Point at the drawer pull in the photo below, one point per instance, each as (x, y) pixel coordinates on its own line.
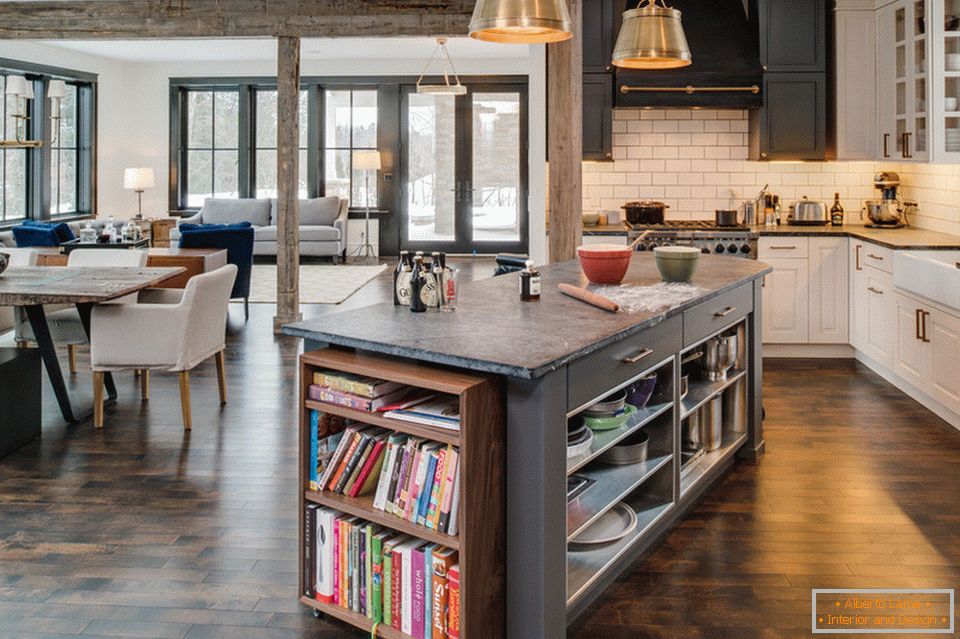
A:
(923, 326)
(917, 316)
(856, 254)
(725, 311)
(783, 248)
(633, 359)
(875, 257)
(875, 290)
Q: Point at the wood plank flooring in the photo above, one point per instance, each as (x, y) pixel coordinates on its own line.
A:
(141, 530)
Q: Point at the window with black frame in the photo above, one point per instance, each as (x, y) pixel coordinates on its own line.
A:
(350, 118)
(64, 156)
(212, 151)
(265, 151)
(13, 172)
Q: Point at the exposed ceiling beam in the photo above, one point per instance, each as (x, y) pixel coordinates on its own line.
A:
(154, 19)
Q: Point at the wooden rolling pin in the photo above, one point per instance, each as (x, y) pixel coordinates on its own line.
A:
(593, 299)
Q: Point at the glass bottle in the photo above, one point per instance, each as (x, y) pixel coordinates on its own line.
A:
(836, 211)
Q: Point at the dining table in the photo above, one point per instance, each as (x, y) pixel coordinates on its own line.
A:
(84, 287)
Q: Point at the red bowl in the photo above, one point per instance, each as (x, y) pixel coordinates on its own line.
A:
(605, 263)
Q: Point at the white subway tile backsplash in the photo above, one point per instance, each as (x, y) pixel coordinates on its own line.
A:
(696, 161)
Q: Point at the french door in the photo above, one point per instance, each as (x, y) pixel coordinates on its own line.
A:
(464, 170)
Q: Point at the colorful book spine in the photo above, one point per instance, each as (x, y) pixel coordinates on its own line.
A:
(448, 485)
(358, 486)
(453, 526)
(348, 452)
(428, 590)
(417, 584)
(336, 561)
(396, 577)
(390, 504)
(383, 481)
(314, 447)
(443, 560)
(425, 491)
(348, 400)
(363, 386)
(406, 483)
(324, 558)
(453, 617)
(387, 581)
(309, 566)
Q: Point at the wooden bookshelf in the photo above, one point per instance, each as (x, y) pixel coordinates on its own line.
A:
(480, 541)
(353, 618)
(363, 507)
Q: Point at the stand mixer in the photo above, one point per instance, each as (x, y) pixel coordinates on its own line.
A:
(889, 212)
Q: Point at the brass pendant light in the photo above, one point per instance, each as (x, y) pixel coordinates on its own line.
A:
(652, 37)
(521, 21)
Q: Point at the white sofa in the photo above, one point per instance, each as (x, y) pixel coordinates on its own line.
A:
(323, 223)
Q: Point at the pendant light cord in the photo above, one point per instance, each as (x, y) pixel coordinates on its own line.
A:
(441, 49)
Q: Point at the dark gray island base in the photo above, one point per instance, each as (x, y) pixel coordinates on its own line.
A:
(556, 357)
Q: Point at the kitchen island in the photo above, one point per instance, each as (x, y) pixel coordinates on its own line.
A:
(552, 359)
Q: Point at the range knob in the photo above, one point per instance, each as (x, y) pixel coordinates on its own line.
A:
(745, 249)
(732, 249)
(653, 245)
(719, 248)
(641, 246)
(705, 250)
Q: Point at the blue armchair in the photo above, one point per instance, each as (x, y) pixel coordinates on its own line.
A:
(237, 239)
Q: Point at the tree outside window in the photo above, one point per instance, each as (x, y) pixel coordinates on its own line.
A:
(350, 124)
(212, 150)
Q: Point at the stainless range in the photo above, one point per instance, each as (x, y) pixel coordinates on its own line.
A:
(738, 241)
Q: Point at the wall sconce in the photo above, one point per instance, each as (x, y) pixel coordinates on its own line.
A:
(19, 86)
(56, 91)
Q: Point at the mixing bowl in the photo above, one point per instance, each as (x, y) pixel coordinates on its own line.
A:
(605, 263)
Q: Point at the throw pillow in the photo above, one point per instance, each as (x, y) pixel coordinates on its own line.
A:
(225, 211)
(320, 211)
(62, 229)
(32, 236)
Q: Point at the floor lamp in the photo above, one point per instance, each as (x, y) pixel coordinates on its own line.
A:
(366, 161)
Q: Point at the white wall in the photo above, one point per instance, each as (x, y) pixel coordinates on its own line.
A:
(112, 117)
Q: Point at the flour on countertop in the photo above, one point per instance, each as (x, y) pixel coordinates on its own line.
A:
(638, 299)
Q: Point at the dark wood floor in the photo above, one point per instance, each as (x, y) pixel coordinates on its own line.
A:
(143, 531)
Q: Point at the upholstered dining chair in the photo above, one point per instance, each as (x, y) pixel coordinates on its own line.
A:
(18, 257)
(65, 325)
(168, 329)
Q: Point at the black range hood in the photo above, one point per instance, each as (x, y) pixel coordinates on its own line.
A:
(726, 63)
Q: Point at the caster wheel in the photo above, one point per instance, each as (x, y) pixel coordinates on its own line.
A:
(317, 614)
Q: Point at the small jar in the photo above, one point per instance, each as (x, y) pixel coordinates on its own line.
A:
(529, 283)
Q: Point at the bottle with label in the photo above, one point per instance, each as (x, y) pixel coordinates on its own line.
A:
(776, 208)
(437, 270)
(529, 283)
(418, 281)
(836, 211)
(401, 264)
(402, 289)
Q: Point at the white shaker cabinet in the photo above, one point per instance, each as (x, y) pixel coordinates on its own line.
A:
(858, 296)
(828, 317)
(911, 358)
(927, 353)
(855, 33)
(880, 316)
(785, 301)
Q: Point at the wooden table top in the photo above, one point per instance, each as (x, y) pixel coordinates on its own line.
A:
(173, 251)
(27, 286)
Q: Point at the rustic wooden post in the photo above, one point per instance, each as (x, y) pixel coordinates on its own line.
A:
(288, 189)
(564, 140)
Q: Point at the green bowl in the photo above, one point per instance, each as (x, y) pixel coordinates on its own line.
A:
(677, 263)
(609, 423)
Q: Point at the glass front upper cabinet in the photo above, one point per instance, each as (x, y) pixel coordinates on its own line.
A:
(903, 90)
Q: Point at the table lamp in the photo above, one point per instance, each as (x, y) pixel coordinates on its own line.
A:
(366, 161)
(138, 179)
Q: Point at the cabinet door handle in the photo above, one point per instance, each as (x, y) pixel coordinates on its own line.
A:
(875, 257)
(856, 256)
(725, 311)
(917, 314)
(782, 248)
(906, 146)
(633, 359)
(875, 290)
(886, 141)
(923, 325)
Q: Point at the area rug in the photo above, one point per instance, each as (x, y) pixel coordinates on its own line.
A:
(319, 283)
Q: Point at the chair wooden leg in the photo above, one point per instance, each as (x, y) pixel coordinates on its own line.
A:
(246, 308)
(72, 358)
(97, 399)
(145, 384)
(221, 377)
(185, 399)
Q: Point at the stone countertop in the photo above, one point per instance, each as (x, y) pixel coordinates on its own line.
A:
(493, 331)
(897, 239)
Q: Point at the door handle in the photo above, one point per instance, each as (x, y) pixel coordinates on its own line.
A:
(923, 325)
(906, 145)
(917, 315)
(856, 256)
(633, 359)
(725, 311)
(886, 141)
(875, 290)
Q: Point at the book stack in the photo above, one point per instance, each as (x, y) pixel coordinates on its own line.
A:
(354, 391)
(412, 478)
(391, 578)
(326, 431)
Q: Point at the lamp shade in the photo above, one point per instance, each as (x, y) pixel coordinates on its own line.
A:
(56, 89)
(521, 21)
(652, 37)
(138, 179)
(366, 160)
(16, 85)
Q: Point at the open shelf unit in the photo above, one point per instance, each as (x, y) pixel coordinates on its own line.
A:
(655, 489)
(480, 540)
